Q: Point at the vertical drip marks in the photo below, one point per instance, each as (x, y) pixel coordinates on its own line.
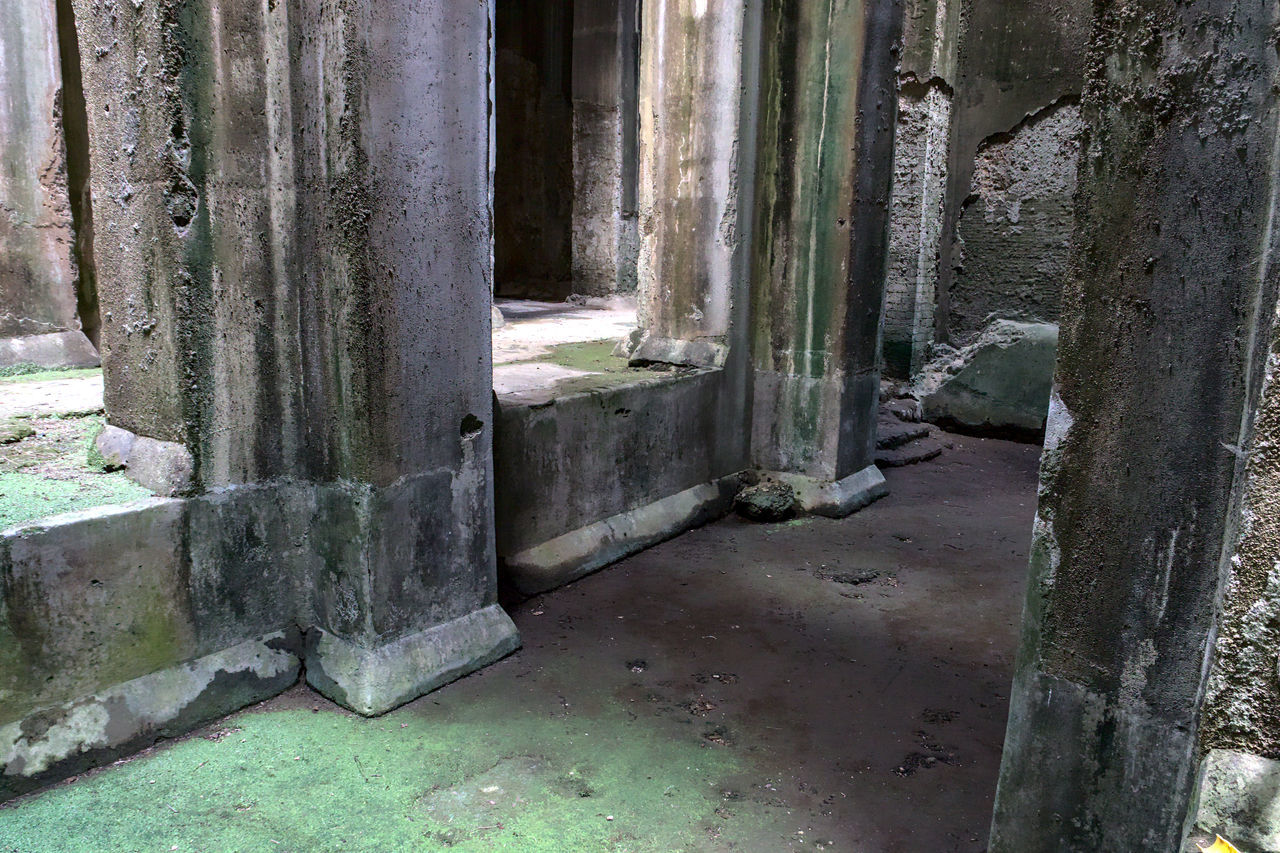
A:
(188, 82)
(75, 128)
(358, 366)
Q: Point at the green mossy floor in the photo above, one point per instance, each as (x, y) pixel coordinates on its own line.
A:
(47, 461)
(46, 469)
(442, 774)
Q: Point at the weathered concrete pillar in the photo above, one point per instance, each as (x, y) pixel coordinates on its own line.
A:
(691, 139)
(1167, 317)
(827, 117)
(293, 233)
(605, 44)
(39, 322)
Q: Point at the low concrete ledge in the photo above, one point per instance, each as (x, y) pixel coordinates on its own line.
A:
(56, 349)
(579, 552)
(836, 498)
(57, 742)
(1237, 796)
(373, 681)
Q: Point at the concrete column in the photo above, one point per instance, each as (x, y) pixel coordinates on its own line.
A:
(926, 79)
(1167, 316)
(692, 69)
(38, 271)
(604, 92)
(293, 235)
(826, 149)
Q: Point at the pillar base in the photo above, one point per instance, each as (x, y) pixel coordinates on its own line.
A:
(579, 552)
(836, 498)
(373, 681)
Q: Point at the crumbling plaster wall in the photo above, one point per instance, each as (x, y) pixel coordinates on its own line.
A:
(1015, 58)
(986, 120)
(1013, 239)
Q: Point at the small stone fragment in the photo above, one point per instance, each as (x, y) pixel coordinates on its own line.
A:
(766, 501)
(14, 430)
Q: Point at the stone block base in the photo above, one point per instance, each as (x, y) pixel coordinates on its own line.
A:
(1237, 796)
(579, 552)
(372, 681)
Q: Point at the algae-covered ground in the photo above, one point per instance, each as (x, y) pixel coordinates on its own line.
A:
(46, 449)
(816, 685)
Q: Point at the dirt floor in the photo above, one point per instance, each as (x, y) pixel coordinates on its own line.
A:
(814, 685)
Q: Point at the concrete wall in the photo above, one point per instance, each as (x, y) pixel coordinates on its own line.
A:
(1004, 79)
(605, 227)
(39, 273)
(1167, 316)
(535, 116)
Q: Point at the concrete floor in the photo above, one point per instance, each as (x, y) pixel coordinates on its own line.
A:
(816, 685)
(525, 346)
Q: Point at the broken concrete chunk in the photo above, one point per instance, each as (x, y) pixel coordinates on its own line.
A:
(999, 383)
(766, 501)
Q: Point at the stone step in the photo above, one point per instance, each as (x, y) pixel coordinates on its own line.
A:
(904, 409)
(909, 454)
(892, 433)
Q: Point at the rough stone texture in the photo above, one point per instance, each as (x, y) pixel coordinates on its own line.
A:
(534, 192)
(579, 552)
(55, 349)
(826, 148)
(373, 681)
(1237, 796)
(1000, 382)
(1167, 317)
(164, 467)
(1014, 233)
(1242, 708)
(915, 224)
(37, 271)
(838, 498)
(1013, 59)
(766, 501)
